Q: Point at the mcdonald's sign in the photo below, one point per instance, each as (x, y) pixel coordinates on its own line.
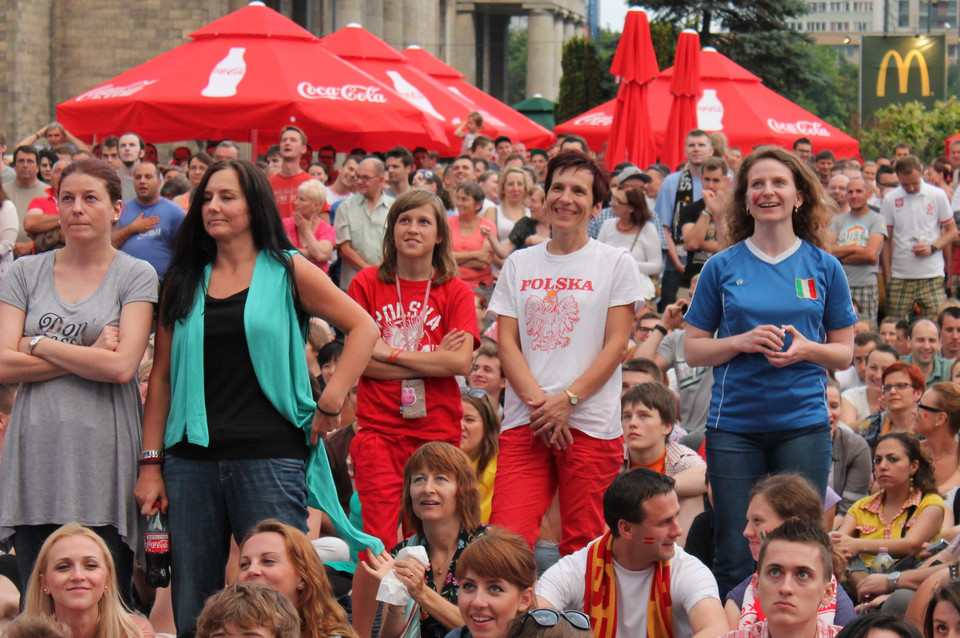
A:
(897, 69)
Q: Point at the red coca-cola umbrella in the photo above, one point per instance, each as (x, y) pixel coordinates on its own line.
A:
(514, 124)
(685, 88)
(244, 77)
(635, 63)
(733, 101)
(366, 51)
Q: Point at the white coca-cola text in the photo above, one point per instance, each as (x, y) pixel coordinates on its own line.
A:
(156, 543)
(109, 90)
(800, 127)
(594, 119)
(347, 92)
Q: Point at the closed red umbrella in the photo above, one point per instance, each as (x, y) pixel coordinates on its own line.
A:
(685, 88)
(246, 76)
(372, 55)
(635, 63)
(514, 124)
(735, 102)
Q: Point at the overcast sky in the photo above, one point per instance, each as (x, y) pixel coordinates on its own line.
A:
(612, 14)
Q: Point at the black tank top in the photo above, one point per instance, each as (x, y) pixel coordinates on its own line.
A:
(242, 422)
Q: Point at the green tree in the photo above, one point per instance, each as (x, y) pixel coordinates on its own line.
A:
(925, 129)
(834, 93)
(579, 89)
(755, 34)
(516, 65)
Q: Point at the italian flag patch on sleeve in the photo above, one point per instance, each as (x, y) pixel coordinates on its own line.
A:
(806, 289)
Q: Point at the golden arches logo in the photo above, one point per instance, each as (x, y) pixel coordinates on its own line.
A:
(903, 72)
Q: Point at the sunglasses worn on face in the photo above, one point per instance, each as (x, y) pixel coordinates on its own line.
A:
(930, 408)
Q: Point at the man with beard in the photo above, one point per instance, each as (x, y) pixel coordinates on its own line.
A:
(130, 151)
(678, 190)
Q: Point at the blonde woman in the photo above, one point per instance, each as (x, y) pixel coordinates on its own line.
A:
(309, 227)
(514, 189)
(74, 582)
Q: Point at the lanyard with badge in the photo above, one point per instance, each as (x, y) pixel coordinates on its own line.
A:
(413, 400)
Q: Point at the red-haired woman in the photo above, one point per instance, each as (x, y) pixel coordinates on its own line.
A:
(903, 385)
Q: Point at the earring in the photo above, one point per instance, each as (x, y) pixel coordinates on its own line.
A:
(796, 210)
(299, 585)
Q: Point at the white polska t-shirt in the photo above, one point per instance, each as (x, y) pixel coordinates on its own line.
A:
(561, 303)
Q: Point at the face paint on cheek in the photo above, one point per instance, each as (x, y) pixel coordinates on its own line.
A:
(755, 197)
(649, 541)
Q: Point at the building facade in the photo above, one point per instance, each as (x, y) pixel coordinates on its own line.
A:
(51, 50)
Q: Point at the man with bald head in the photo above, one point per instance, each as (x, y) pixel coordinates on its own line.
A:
(361, 220)
(149, 223)
(856, 238)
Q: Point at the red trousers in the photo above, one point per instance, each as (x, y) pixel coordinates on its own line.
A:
(378, 461)
(529, 473)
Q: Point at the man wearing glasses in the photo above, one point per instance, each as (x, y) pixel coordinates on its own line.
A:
(361, 220)
(632, 562)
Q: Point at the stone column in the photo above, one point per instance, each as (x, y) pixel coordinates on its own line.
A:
(464, 50)
(569, 29)
(412, 22)
(557, 52)
(541, 55)
(350, 11)
(373, 18)
(393, 23)
(429, 27)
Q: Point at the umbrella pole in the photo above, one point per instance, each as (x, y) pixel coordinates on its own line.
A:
(253, 145)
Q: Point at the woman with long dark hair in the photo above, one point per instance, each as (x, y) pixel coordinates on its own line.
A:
(902, 517)
(229, 415)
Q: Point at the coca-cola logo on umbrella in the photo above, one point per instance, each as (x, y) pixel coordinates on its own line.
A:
(109, 90)
(594, 119)
(800, 127)
(347, 92)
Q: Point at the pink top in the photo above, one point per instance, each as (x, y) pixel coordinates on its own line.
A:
(324, 231)
(475, 241)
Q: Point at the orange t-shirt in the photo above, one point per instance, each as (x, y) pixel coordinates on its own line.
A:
(285, 191)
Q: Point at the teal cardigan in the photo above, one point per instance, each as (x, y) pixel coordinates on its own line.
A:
(277, 343)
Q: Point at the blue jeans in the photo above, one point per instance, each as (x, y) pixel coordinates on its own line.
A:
(209, 501)
(735, 462)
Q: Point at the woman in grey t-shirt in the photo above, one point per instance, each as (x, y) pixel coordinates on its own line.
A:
(73, 326)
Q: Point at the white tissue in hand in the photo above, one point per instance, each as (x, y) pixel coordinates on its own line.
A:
(391, 590)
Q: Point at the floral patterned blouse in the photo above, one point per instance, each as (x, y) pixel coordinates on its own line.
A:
(429, 627)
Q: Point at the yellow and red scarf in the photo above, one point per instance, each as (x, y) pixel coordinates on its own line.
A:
(600, 602)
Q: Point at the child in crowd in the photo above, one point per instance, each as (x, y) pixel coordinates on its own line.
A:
(409, 393)
(468, 131)
(248, 610)
(649, 412)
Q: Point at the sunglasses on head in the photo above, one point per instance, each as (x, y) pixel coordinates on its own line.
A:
(550, 617)
(476, 393)
(426, 174)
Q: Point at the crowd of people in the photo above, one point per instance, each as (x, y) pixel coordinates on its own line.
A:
(380, 393)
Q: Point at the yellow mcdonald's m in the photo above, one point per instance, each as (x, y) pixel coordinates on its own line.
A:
(903, 72)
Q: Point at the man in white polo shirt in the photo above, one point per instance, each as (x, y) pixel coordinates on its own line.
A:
(920, 225)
